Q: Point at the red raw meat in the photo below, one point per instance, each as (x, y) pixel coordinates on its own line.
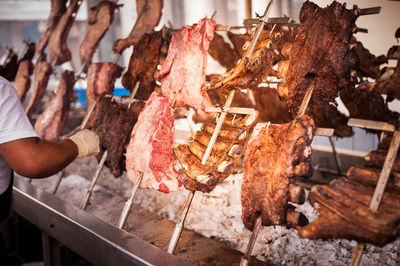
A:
(183, 71)
(150, 148)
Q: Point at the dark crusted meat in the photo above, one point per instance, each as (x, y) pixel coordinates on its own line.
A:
(58, 50)
(58, 8)
(229, 147)
(50, 124)
(327, 115)
(100, 18)
(148, 16)
(42, 74)
(388, 82)
(238, 40)
(320, 52)
(143, 65)
(273, 158)
(9, 68)
(222, 52)
(114, 125)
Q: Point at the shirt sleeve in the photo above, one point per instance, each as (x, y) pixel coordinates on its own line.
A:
(14, 124)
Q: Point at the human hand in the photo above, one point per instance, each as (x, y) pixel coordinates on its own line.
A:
(88, 143)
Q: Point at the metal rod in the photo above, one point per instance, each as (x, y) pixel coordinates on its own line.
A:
(128, 203)
(379, 189)
(335, 157)
(370, 11)
(85, 200)
(57, 182)
(246, 257)
(179, 226)
(218, 126)
(88, 115)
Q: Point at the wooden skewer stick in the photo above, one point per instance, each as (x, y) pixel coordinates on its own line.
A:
(85, 200)
(129, 202)
(371, 124)
(57, 182)
(379, 189)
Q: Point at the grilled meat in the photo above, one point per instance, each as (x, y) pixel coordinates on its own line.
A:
(222, 52)
(22, 81)
(270, 107)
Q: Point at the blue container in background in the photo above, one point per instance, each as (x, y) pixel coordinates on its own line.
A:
(82, 100)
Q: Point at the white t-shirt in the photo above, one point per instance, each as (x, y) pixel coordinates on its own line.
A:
(14, 124)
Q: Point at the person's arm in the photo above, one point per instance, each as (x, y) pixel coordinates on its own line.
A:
(35, 158)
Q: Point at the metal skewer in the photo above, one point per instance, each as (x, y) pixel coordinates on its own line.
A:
(336, 157)
(128, 204)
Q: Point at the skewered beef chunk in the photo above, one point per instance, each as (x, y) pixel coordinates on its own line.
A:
(377, 158)
(270, 107)
(273, 158)
(367, 105)
(42, 74)
(143, 65)
(58, 8)
(22, 81)
(50, 124)
(320, 53)
(248, 72)
(364, 62)
(114, 125)
(100, 18)
(58, 50)
(10, 66)
(389, 82)
(238, 41)
(100, 81)
(222, 52)
(224, 157)
(369, 177)
(327, 115)
(344, 213)
(150, 149)
(148, 16)
(183, 72)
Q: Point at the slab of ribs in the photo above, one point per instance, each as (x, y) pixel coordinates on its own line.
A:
(143, 65)
(114, 125)
(148, 16)
(150, 148)
(58, 8)
(320, 52)
(274, 158)
(100, 81)
(100, 18)
(225, 155)
(42, 74)
(58, 50)
(50, 123)
(328, 116)
(22, 81)
(183, 71)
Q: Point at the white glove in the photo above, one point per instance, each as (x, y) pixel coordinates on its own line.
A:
(87, 141)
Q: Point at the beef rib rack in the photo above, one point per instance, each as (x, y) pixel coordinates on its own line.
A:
(276, 156)
(150, 149)
(228, 148)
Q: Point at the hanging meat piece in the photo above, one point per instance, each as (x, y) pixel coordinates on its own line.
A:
(365, 63)
(114, 125)
(183, 72)
(389, 83)
(394, 52)
(270, 107)
(150, 148)
(143, 65)
(377, 158)
(58, 8)
(369, 177)
(42, 74)
(344, 213)
(275, 156)
(148, 16)
(100, 81)
(29, 51)
(22, 81)
(228, 148)
(248, 72)
(328, 116)
(10, 66)
(58, 50)
(367, 105)
(50, 123)
(222, 52)
(320, 53)
(101, 17)
(238, 41)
